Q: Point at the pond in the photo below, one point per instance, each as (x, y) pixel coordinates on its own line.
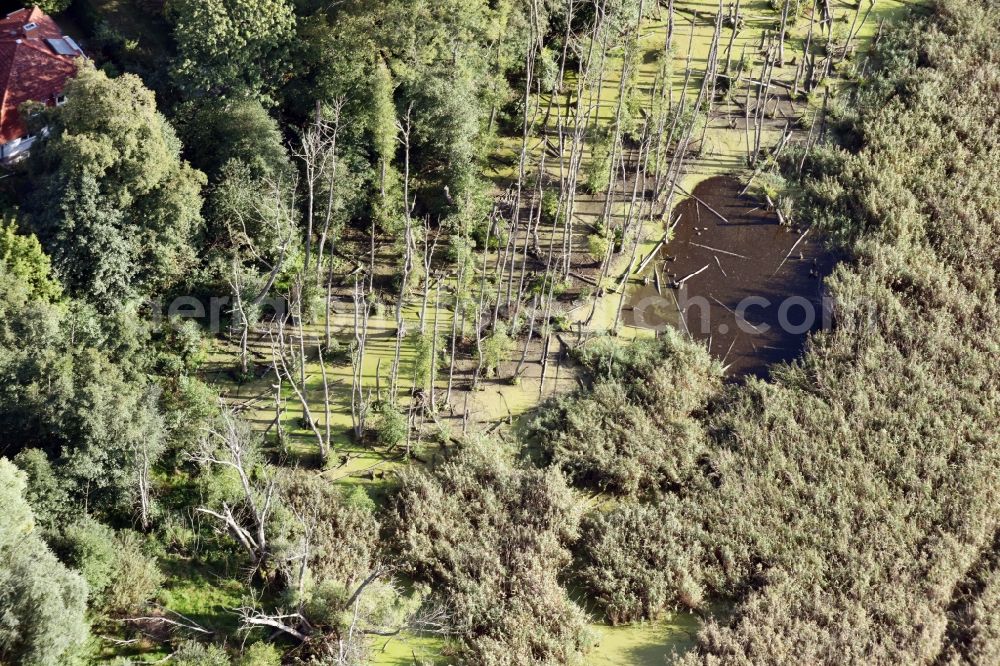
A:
(735, 277)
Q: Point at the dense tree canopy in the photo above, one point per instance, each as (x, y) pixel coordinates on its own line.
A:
(42, 603)
(114, 204)
(216, 131)
(23, 258)
(229, 46)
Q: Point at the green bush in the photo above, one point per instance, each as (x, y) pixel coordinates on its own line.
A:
(44, 603)
(550, 206)
(89, 547)
(391, 427)
(496, 349)
(260, 654)
(491, 536)
(135, 576)
(193, 653)
(598, 244)
(634, 566)
(634, 430)
(597, 170)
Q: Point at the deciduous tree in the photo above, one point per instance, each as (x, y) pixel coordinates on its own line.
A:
(229, 47)
(114, 205)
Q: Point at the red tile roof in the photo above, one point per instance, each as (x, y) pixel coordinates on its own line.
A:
(30, 69)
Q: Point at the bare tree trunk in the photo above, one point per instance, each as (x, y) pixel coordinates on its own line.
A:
(359, 405)
(781, 33)
(325, 450)
(746, 124)
(536, 211)
(457, 314)
(328, 307)
(713, 69)
(314, 151)
(434, 349)
(298, 387)
(732, 36)
(581, 121)
(400, 332)
(279, 432)
(355, 363)
(429, 249)
(637, 233)
(677, 164)
(234, 452)
(240, 317)
(331, 185)
(806, 47)
(527, 339)
(500, 268)
(479, 310)
(533, 46)
(299, 321)
(142, 477)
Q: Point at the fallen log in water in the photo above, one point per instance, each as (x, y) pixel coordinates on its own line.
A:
(710, 209)
(586, 279)
(780, 84)
(715, 249)
(649, 257)
(719, 264)
(790, 252)
(677, 284)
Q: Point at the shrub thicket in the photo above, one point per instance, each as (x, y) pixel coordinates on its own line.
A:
(633, 430)
(491, 537)
(848, 507)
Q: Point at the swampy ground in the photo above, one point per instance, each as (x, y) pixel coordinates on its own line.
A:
(697, 281)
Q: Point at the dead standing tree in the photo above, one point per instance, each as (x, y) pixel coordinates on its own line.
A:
(676, 168)
(329, 164)
(359, 401)
(348, 642)
(233, 445)
(410, 247)
(317, 150)
(617, 153)
(289, 355)
(534, 46)
(457, 318)
(580, 116)
(403, 128)
(243, 317)
(271, 215)
(146, 450)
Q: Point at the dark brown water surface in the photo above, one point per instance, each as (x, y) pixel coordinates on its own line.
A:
(758, 292)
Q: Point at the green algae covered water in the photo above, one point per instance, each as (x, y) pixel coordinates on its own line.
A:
(645, 643)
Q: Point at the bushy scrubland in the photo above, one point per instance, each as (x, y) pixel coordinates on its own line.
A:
(845, 506)
(491, 535)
